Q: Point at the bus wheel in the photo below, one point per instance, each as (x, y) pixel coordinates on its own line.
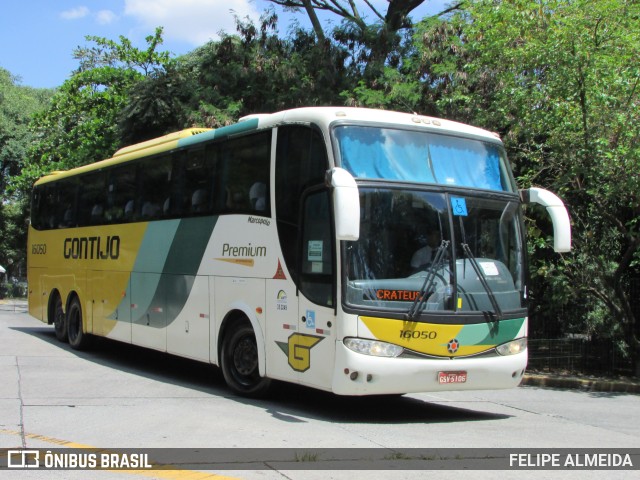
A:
(239, 362)
(59, 319)
(78, 339)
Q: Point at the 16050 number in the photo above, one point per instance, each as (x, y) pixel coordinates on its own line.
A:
(419, 334)
(38, 248)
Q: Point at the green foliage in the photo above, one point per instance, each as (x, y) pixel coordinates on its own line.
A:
(373, 44)
(108, 53)
(17, 104)
(559, 80)
(254, 70)
(80, 125)
(392, 91)
(13, 238)
(156, 105)
(257, 71)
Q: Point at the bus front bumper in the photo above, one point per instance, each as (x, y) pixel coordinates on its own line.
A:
(358, 374)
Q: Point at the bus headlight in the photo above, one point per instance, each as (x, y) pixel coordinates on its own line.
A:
(373, 347)
(511, 348)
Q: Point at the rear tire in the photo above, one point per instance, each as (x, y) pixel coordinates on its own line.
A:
(78, 339)
(59, 319)
(239, 362)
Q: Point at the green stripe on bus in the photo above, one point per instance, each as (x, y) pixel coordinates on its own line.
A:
(155, 247)
(189, 243)
(183, 260)
(493, 333)
(219, 133)
(152, 255)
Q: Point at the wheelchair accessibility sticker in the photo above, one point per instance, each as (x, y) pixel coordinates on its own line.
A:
(459, 206)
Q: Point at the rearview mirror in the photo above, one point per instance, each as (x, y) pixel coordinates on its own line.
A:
(558, 213)
(346, 203)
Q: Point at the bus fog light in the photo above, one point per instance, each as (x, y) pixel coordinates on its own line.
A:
(513, 347)
(373, 347)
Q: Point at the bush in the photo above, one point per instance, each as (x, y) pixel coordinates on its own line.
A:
(13, 290)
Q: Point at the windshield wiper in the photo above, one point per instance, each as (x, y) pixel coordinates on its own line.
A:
(483, 281)
(429, 280)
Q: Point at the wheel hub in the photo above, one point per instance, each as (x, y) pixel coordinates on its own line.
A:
(245, 357)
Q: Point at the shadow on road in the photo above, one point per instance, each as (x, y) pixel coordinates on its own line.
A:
(286, 402)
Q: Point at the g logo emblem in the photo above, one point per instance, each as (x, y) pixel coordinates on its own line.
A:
(298, 350)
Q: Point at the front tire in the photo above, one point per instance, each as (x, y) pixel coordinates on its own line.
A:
(78, 339)
(239, 362)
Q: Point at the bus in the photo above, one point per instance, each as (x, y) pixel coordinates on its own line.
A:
(351, 250)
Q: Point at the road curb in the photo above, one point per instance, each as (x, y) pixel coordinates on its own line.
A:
(579, 383)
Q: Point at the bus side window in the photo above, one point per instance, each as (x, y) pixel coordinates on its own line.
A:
(121, 190)
(194, 182)
(90, 203)
(54, 205)
(66, 201)
(155, 185)
(43, 205)
(244, 174)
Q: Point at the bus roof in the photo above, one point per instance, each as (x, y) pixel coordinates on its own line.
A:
(329, 115)
(306, 115)
(166, 139)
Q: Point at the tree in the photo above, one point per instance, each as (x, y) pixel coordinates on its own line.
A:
(13, 220)
(157, 105)
(81, 123)
(17, 104)
(373, 44)
(253, 71)
(559, 80)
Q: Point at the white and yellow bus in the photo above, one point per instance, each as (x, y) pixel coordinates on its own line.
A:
(351, 250)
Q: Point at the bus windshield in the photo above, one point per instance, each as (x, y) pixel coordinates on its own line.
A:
(459, 252)
(419, 156)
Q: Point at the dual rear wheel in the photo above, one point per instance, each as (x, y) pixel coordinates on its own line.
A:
(68, 328)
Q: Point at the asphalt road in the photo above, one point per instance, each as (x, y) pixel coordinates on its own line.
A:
(120, 396)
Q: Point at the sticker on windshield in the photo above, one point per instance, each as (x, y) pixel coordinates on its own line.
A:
(314, 251)
(490, 269)
(459, 206)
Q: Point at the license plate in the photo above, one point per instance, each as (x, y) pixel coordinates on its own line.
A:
(452, 377)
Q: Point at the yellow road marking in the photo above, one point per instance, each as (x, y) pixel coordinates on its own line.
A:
(168, 472)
